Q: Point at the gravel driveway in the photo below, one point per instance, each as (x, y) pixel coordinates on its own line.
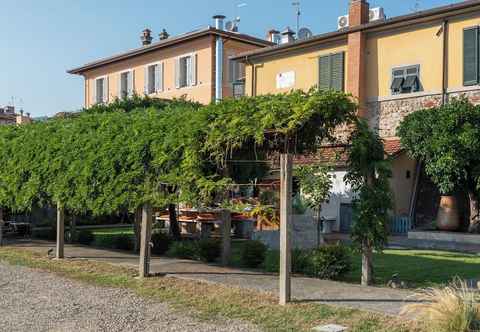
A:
(32, 300)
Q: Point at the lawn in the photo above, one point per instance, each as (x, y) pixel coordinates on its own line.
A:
(419, 268)
(212, 301)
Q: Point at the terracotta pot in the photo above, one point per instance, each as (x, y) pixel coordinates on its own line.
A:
(447, 217)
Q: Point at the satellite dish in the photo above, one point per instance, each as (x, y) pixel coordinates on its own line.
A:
(230, 26)
(304, 33)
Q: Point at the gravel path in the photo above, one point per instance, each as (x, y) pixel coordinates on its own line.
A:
(32, 300)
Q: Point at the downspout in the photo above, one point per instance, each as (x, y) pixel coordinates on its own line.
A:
(219, 59)
(445, 62)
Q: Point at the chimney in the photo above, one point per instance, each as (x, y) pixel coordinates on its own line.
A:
(358, 15)
(28, 114)
(163, 35)
(219, 21)
(146, 37)
(288, 36)
(273, 36)
(359, 12)
(21, 112)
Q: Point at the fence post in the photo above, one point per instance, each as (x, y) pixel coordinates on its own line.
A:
(146, 234)
(60, 232)
(226, 218)
(285, 226)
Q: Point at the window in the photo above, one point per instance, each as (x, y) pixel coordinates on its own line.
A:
(405, 80)
(101, 90)
(186, 71)
(236, 71)
(126, 84)
(332, 72)
(154, 78)
(471, 56)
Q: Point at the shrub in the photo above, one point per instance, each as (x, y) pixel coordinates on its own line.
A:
(328, 262)
(122, 242)
(161, 243)
(85, 237)
(183, 249)
(453, 308)
(253, 254)
(209, 250)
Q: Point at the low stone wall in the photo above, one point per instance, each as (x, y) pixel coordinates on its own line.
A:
(462, 238)
(305, 234)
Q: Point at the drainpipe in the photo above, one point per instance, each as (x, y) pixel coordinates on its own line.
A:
(445, 62)
(219, 59)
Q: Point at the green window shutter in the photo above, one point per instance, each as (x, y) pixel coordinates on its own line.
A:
(338, 69)
(324, 73)
(470, 56)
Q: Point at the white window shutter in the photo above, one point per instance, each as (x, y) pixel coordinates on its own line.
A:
(146, 81)
(94, 92)
(177, 73)
(105, 90)
(159, 77)
(119, 88)
(193, 66)
(231, 71)
(130, 84)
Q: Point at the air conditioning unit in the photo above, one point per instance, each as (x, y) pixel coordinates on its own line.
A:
(377, 14)
(343, 22)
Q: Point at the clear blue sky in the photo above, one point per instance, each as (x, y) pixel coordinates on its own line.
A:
(42, 39)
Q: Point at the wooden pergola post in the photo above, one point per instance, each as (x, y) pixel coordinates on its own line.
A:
(285, 227)
(145, 237)
(226, 236)
(59, 253)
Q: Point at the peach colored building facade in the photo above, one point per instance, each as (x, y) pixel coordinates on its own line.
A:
(181, 66)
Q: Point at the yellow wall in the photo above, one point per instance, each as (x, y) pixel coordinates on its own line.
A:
(455, 50)
(304, 65)
(397, 48)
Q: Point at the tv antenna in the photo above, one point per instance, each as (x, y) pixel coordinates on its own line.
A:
(298, 13)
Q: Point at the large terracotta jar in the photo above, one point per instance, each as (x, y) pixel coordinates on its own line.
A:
(447, 218)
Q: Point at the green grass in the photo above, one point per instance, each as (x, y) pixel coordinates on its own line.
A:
(419, 268)
(212, 301)
(112, 231)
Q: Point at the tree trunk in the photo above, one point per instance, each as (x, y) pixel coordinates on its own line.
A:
(367, 265)
(320, 237)
(73, 228)
(174, 227)
(137, 228)
(474, 212)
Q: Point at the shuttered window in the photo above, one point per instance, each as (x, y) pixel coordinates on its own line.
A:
(471, 56)
(154, 78)
(186, 71)
(331, 74)
(101, 90)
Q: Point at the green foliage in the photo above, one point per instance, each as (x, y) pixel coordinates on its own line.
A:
(253, 254)
(315, 183)
(327, 262)
(123, 242)
(85, 237)
(49, 234)
(119, 156)
(161, 243)
(184, 250)
(209, 250)
(447, 140)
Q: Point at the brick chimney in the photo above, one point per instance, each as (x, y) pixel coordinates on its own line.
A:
(358, 14)
(146, 37)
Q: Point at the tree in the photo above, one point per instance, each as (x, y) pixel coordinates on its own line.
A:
(368, 174)
(315, 183)
(447, 140)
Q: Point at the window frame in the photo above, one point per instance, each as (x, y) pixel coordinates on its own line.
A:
(477, 80)
(403, 90)
(130, 75)
(156, 79)
(104, 100)
(191, 78)
(330, 57)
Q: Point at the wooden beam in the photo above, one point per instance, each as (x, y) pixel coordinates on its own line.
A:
(145, 237)
(59, 254)
(285, 227)
(226, 236)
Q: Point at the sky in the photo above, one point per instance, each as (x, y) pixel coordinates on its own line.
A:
(40, 40)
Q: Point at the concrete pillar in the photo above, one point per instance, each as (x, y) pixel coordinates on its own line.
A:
(285, 227)
(59, 254)
(226, 218)
(145, 237)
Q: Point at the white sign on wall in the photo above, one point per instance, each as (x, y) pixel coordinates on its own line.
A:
(285, 80)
